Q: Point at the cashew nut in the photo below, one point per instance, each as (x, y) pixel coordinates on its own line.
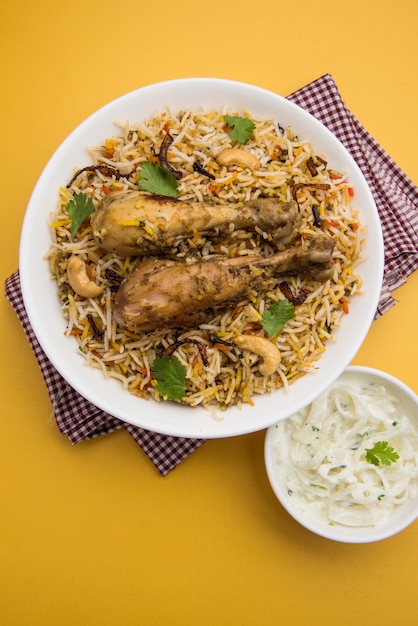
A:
(263, 347)
(78, 279)
(238, 157)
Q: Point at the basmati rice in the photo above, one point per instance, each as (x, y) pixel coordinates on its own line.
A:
(230, 377)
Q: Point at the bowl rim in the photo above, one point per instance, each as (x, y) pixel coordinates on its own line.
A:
(353, 535)
(87, 383)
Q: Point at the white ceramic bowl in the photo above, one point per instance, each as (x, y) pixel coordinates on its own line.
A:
(401, 516)
(39, 291)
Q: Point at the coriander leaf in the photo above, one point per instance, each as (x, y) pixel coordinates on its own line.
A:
(381, 452)
(241, 128)
(79, 208)
(156, 179)
(170, 375)
(276, 317)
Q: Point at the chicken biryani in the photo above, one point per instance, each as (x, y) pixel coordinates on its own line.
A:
(205, 257)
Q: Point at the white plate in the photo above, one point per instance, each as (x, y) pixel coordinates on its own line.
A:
(39, 291)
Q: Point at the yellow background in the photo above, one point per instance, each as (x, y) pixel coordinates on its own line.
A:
(92, 535)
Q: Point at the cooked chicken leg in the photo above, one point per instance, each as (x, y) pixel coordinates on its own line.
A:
(138, 224)
(166, 293)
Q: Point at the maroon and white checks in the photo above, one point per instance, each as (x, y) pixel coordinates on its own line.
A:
(394, 193)
(396, 198)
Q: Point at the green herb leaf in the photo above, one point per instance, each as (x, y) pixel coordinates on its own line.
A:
(170, 375)
(241, 128)
(157, 179)
(381, 452)
(276, 317)
(79, 208)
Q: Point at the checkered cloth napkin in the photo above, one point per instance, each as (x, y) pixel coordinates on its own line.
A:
(396, 198)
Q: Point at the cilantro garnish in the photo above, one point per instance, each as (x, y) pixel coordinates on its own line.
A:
(170, 375)
(276, 317)
(381, 452)
(157, 179)
(79, 208)
(241, 128)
